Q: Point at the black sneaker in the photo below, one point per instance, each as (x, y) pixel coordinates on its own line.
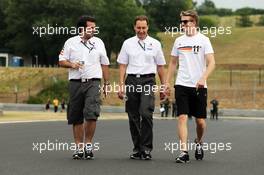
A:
(183, 158)
(199, 153)
(146, 155)
(135, 155)
(88, 151)
(78, 154)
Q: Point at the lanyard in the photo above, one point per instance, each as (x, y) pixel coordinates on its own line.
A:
(143, 47)
(90, 48)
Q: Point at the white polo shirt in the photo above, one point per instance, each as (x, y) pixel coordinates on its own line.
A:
(141, 56)
(192, 62)
(93, 55)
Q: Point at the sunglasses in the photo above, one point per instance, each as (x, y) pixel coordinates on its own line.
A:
(185, 21)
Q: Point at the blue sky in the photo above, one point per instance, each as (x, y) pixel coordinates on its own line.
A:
(235, 4)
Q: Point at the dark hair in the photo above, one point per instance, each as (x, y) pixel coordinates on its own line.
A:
(141, 18)
(191, 13)
(83, 20)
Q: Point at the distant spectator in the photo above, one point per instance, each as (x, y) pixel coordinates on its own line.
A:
(174, 109)
(55, 104)
(47, 106)
(214, 109)
(162, 109)
(62, 105)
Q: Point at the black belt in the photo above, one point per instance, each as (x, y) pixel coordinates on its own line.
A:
(85, 80)
(141, 75)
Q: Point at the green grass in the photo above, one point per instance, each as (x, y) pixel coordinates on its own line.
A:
(28, 77)
(242, 46)
(29, 81)
(231, 20)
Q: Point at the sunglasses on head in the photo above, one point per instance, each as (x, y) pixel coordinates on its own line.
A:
(185, 21)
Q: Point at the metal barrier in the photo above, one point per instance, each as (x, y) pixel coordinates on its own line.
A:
(121, 109)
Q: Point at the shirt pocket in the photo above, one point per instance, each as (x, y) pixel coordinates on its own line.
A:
(149, 57)
(92, 58)
(75, 55)
(136, 59)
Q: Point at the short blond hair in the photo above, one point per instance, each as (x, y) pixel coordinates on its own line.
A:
(193, 14)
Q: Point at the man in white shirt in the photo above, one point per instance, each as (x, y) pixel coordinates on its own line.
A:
(86, 58)
(140, 58)
(195, 55)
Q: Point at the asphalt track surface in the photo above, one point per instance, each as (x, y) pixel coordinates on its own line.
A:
(17, 155)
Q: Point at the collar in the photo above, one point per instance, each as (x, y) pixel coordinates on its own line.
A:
(144, 40)
(80, 39)
(196, 34)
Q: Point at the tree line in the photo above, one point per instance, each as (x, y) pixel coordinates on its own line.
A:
(20, 20)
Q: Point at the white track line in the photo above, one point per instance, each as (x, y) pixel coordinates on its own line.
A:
(220, 118)
(32, 121)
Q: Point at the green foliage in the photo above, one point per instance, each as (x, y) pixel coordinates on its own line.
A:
(21, 17)
(244, 11)
(249, 11)
(244, 21)
(207, 8)
(114, 18)
(35, 100)
(167, 12)
(3, 34)
(115, 21)
(58, 89)
(224, 12)
(208, 21)
(261, 21)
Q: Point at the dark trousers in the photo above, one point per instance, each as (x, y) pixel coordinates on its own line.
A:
(174, 111)
(214, 114)
(166, 111)
(55, 108)
(140, 108)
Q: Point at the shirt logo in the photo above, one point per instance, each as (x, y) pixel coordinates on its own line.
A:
(189, 49)
(185, 49)
(149, 47)
(196, 49)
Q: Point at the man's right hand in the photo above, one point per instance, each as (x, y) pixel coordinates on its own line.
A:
(167, 89)
(76, 65)
(121, 92)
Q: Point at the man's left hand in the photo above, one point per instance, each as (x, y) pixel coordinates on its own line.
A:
(200, 83)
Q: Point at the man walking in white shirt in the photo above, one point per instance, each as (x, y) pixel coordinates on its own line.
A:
(140, 58)
(86, 58)
(195, 56)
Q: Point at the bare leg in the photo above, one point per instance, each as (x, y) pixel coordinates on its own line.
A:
(78, 134)
(90, 127)
(183, 131)
(200, 128)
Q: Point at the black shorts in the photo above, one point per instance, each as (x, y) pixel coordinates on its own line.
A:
(47, 106)
(84, 102)
(191, 101)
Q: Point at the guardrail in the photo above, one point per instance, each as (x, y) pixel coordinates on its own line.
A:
(1, 109)
(121, 109)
